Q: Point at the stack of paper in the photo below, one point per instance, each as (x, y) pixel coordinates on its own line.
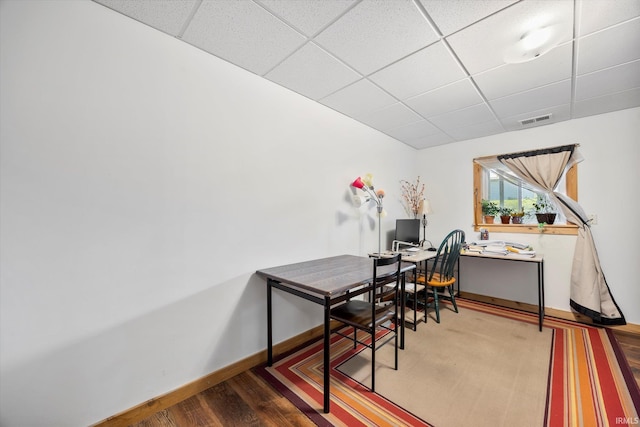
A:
(500, 247)
(496, 249)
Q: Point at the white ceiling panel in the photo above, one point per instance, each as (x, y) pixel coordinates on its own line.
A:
(414, 130)
(477, 130)
(533, 100)
(607, 103)
(308, 16)
(448, 98)
(451, 16)
(390, 117)
(513, 78)
(609, 47)
(611, 80)
(360, 98)
(480, 47)
(471, 115)
(168, 16)
(243, 33)
(596, 15)
(431, 140)
(376, 33)
(425, 72)
(312, 72)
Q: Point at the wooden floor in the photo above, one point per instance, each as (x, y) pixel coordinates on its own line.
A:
(247, 400)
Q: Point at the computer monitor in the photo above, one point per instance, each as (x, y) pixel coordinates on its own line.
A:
(408, 230)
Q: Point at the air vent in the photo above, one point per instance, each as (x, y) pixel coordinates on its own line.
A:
(533, 120)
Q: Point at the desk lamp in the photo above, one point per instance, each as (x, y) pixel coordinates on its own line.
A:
(425, 208)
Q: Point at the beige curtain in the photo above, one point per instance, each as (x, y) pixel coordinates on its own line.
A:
(590, 294)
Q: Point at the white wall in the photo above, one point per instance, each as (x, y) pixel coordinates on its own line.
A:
(606, 187)
(143, 182)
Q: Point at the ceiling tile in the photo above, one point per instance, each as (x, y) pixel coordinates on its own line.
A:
(451, 16)
(595, 15)
(312, 72)
(448, 98)
(360, 98)
(168, 16)
(376, 33)
(477, 130)
(508, 79)
(464, 117)
(533, 100)
(413, 130)
(480, 47)
(243, 33)
(425, 70)
(439, 138)
(607, 103)
(558, 113)
(610, 47)
(390, 117)
(615, 79)
(308, 16)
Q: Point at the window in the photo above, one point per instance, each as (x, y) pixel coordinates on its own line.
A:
(494, 182)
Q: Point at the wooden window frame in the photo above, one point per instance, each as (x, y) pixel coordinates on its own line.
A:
(561, 229)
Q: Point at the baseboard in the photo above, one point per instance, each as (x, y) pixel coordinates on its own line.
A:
(553, 312)
(150, 407)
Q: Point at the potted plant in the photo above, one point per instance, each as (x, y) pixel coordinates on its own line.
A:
(544, 211)
(489, 210)
(505, 214)
(516, 217)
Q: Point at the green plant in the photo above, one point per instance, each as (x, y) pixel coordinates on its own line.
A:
(489, 207)
(543, 205)
(505, 211)
(517, 214)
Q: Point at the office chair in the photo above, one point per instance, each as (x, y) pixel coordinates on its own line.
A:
(375, 314)
(441, 274)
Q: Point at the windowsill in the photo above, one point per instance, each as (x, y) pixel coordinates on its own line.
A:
(560, 229)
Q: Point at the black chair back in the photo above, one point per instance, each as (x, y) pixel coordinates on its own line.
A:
(448, 253)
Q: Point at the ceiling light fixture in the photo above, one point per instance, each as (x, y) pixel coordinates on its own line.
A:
(536, 38)
(532, 45)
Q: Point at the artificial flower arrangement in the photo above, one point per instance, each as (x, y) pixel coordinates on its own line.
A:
(413, 196)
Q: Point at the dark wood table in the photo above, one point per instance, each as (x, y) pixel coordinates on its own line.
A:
(321, 281)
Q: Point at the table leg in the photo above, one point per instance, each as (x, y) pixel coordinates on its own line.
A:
(540, 294)
(327, 359)
(402, 304)
(269, 326)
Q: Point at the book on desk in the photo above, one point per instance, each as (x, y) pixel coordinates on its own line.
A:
(499, 247)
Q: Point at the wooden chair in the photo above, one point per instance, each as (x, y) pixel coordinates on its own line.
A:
(440, 275)
(378, 313)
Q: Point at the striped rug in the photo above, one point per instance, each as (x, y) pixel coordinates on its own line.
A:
(590, 382)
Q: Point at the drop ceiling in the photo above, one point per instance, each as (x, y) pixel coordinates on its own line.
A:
(425, 72)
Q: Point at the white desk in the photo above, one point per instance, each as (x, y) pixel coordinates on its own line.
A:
(416, 257)
(538, 260)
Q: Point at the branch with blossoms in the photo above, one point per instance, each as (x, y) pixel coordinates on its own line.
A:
(413, 196)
